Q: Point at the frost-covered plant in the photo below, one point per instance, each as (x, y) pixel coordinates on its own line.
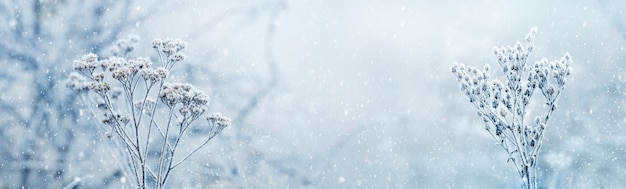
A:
(145, 116)
(503, 107)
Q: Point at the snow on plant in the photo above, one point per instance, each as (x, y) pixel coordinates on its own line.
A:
(503, 107)
(145, 116)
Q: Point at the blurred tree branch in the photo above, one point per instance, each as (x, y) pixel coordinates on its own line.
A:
(39, 37)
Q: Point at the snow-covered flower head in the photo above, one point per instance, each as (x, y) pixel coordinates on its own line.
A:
(124, 46)
(143, 62)
(86, 64)
(169, 50)
(169, 46)
(77, 83)
(219, 119)
(100, 87)
(175, 93)
(124, 70)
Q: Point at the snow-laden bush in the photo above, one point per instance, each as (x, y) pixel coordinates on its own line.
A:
(145, 117)
(504, 107)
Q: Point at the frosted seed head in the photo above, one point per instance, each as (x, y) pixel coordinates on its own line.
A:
(518, 47)
(498, 130)
(104, 64)
(177, 57)
(124, 119)
(183, 111)
(569, 71)
(567, 57)
(550, 90)
(218, 119)
(77, 82)
(98, 77)
(169, 94)
(100, 87)
(86, 63)
(91, 57)
(486, 67)
(149, 105)
(495, 103)
(171, 46)
(201, 99)
(162, 72)
(157, 43)
(123, 46)
(143, 62)
(145, 74)
(109, 120)
(530, 37)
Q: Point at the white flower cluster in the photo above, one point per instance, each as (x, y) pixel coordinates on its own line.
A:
(113, 120)
(169, 50)
(122, 69)
(86, 64)
(124, 46)
(154, 75)
(218, 123)
(169, 46)
(543, 71)
(503, 107)
(77, 83)
(144, 105)
(125, 120)
(125, 70)
(100, 87)
(218, 119)
(193, 101)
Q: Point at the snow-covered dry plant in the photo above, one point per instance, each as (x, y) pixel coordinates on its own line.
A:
(144, 116)
(503, 106)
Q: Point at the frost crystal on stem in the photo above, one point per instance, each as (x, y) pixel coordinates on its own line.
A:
(127, 92)
(503, 107)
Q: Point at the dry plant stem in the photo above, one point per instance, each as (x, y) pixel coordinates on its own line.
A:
(503, 107)
(184, 104)
(117, 145)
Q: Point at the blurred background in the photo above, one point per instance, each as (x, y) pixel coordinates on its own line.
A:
(323, 94)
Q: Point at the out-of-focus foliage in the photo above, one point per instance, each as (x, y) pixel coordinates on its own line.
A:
(41, 133)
